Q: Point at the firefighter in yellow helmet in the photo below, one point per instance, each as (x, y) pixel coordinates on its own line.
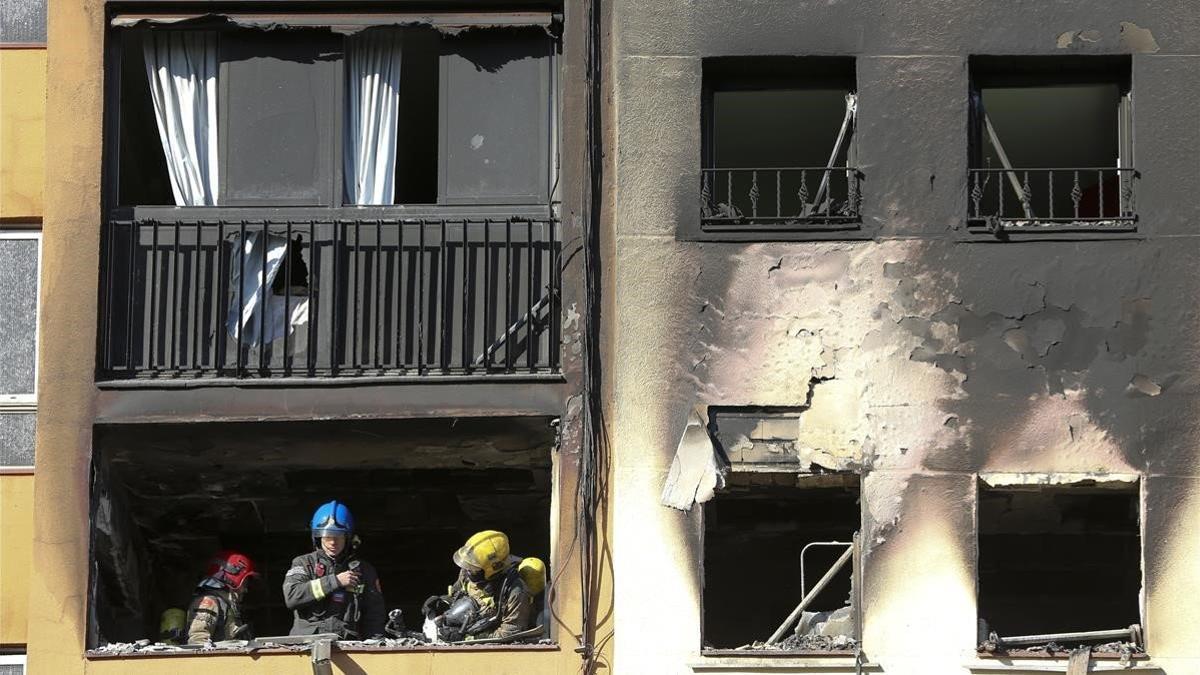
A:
(492, 597)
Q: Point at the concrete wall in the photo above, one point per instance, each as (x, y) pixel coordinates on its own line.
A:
(16, 558)
(931, 356)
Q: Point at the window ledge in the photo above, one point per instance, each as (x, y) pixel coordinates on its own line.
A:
(97, 655)
(1045, 663)
(760, 660)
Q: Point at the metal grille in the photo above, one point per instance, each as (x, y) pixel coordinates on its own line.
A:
(1053, 199)
(792, 197)
(413, 297)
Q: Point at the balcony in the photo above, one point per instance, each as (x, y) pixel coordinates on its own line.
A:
(1053, 200)
(791, 198)
(413, 298)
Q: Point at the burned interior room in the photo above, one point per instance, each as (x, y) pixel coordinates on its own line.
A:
(166, 497)
(1058, 560)
(754, 531)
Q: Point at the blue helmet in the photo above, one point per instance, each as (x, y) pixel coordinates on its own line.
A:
(332, 518)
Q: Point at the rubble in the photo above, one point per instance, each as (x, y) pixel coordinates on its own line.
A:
(820, 643)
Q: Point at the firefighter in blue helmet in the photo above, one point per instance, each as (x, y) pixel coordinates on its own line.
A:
(330, 590)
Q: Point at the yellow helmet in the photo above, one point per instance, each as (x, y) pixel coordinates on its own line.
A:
(533, 573)
(485, 551)
(171, 625)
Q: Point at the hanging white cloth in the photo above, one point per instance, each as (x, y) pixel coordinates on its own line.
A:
(372, 115)
(181, 67)
(253, 292)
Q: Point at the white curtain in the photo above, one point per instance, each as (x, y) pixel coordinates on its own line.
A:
(253, 293)
(373, 58)
(181, 67)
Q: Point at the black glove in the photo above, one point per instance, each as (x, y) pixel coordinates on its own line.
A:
(242, 632)
(449, 634)
(434, 606)
(487, 623)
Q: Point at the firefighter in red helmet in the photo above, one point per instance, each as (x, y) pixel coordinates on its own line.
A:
(216, 610)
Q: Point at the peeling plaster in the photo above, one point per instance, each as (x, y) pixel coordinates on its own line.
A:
(1073, 37)
(1138, 39)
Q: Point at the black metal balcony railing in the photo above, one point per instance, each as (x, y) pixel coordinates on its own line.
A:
(1053, 199)
(412, 297)
(784, 197)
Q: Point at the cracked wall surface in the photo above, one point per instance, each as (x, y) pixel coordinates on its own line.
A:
(921, 355)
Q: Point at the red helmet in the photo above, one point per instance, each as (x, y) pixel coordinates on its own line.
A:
(231, 569)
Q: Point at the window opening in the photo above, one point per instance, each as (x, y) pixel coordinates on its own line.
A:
(1051, 149)
(1059, 568)
(168, 497)
(797, 532)
(779, 144)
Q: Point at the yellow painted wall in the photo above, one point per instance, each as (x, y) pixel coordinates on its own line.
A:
(22, 131)
(16, 555)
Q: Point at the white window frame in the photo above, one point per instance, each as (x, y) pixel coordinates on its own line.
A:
(24, 403)
(15, 659)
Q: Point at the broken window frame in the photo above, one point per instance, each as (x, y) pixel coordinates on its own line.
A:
(788, 623)
(1025, 645)
(719, 220)
(1018, 185)
(25, 403)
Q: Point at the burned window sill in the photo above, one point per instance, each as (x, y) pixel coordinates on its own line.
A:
(1040, 662)
(1016, 229)
(722, 660)
(340, 647)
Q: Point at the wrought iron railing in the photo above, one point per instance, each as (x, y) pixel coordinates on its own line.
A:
(1053, 199)
(412, 297)
(796, 197)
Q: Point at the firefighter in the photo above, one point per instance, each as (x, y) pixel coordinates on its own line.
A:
(331, 590)
(491, 597)
(216, 610)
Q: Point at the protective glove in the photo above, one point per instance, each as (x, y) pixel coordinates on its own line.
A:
(434, 606)
(243, 632)
(449, 633)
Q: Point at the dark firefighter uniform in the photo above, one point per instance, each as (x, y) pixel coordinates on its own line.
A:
(311, 591)
(213, 616)
(505, 603)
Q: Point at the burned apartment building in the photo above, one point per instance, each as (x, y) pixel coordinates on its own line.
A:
(917, 278)
(309, 251)
(829, 337)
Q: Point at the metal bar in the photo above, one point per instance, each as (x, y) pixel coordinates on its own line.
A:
(421, 299)
(287, 297)
(196, 296)
(489, 321)
(778, 193)
(508, 292)
(262, 309)
(443, 299)
(466, 342)
(310, 355)
(1100, 199)
(241, 294)
(152, 361)
(334, 324)
(378, 292)
(175, 299)
(804, 550)
(1050, 192)
(1129, 634)
(355, 360)
(1012, 177)
(222, 307)
(397, 353)
(109, 289)
(807, 599)
(529, 257)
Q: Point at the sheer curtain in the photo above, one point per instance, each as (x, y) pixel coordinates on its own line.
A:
(372, 115)
(181, 67)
